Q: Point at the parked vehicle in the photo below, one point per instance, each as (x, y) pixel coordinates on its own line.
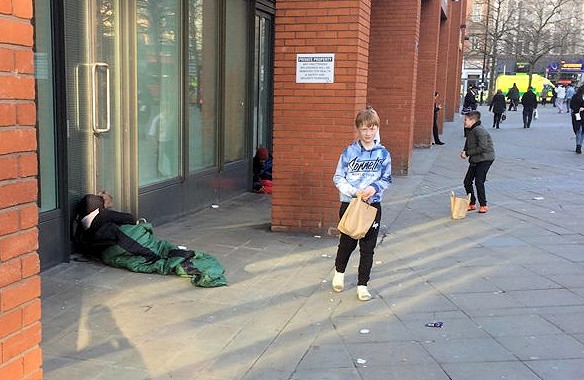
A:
(505, 82)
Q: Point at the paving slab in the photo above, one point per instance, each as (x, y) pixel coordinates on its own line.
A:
(507, 285)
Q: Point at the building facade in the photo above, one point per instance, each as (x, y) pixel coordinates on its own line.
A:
(163, 103)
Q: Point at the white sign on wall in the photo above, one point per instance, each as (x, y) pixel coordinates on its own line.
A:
(315, 68)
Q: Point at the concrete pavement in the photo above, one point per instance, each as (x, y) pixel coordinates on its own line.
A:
(507, 285)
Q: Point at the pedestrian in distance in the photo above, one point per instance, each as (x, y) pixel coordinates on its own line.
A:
(498, 106)
(513, 96)
(544, 95)
(437, 108)
(577, 110)
(570, 91)
(480, 152)
(469, 103)
(364, 168)
(560, 92)
(529, 102)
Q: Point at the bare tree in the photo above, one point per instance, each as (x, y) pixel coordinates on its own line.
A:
(488, 34)
(541, 29)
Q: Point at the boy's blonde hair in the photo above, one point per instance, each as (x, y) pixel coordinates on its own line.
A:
(367, 117)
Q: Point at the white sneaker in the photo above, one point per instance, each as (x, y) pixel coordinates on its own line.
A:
(338, 281)
(362, 293)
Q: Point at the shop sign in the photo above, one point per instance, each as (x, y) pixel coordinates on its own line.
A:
(571, 66)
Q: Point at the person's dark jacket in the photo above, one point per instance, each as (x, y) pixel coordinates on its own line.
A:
(575, 104)
(262, 170)
(498, 104)
(529, 100)
(513, 93)
(102, 230)
(470, 101)
(479, 145)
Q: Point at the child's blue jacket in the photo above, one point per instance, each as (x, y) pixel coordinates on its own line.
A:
(359, 168)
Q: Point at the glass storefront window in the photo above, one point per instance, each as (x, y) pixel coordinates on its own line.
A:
(236, 40)
(262, 82)
(45, 107)
(159, 87)
(202, 79)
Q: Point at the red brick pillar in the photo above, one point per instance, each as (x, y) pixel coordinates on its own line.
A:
(313, 122)
(393, 67)
(442, 70)
(453, 95)
(20, 305)
(427, 69)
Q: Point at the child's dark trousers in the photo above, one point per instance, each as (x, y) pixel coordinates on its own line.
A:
(477, 173)
(366, 247)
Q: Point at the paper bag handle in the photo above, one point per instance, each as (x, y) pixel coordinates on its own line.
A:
(360, 197)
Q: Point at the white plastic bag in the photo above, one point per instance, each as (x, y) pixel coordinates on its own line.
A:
(535, 114)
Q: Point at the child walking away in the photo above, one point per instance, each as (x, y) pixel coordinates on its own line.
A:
(480, 152)
(364, 168)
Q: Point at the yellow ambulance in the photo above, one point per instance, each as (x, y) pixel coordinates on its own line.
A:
(505, 82)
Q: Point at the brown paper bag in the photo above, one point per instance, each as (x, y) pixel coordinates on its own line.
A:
(458, 206)
(357, 219)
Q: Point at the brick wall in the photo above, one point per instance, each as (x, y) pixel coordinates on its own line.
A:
(393, 67)
(456, 12)
(20, 305)
(380, 60)
(442, 72)
(313, 122)
(427, 69)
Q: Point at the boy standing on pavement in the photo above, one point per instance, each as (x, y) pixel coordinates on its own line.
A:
(479, 150)
(364, 168)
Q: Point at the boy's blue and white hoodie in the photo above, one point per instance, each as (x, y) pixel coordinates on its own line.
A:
(359, 168)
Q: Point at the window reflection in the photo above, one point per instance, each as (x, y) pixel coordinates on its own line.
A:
(202, 84)
(159, 84)
(45, 108)
(235, 79)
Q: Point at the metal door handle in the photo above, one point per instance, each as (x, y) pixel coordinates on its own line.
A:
(97, 128)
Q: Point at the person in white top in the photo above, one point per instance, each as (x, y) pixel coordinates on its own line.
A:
(560, 97)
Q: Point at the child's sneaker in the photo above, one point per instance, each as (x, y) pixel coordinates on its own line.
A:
(483, 209)
(362, 293)
(471, 207)
(338, 281)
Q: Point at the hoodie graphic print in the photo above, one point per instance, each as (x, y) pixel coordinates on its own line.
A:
(358, 168)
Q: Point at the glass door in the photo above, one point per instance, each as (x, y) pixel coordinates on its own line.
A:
(53, 225)
(92, 37)
(263, 80)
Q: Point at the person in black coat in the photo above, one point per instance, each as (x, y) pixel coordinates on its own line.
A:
(95, 224)
(469, 104)
(577, 110)
(529, 102)
(498, 106)
(470, 100)
(513, 96)
(437, 108)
